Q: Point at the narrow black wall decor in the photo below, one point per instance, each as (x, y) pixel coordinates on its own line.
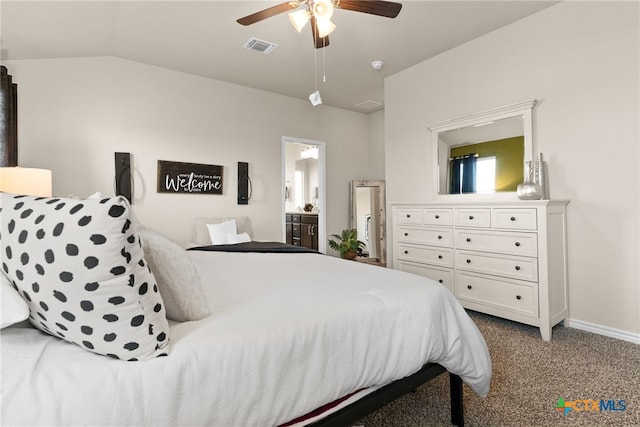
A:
(194, 178)
(123, 176)
(243, 183)
(8, 119)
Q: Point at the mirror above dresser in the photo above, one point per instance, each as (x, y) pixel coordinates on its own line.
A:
(482, 155)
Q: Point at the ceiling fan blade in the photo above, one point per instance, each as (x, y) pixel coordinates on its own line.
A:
(268, 13)
(318, 41)
(387, 9)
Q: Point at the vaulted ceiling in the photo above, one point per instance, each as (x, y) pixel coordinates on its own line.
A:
(203, 38)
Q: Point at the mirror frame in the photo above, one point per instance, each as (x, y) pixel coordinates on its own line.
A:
(382, 216)
(524, 109)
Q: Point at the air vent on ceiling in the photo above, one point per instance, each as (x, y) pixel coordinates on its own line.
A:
(260, 45)
(368, 105)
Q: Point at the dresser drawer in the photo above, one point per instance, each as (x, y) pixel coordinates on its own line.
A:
(295, 230)
(514, 219)
(522, 268)
(524, 244)
(309, 219)
(409, 216)
(428, 254)
(437, 216)
(430, 236)
(514, 296)
(444, 276)
(480, 218)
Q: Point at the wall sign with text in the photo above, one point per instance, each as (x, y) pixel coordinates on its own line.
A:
(192, 178)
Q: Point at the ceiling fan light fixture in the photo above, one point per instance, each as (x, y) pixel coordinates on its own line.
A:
(322, 9)
(299, 19)
(325, 27)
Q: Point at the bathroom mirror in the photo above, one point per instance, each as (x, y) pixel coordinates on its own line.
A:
(482, 155)
(305, 188)
(368, 217)
(302, 178)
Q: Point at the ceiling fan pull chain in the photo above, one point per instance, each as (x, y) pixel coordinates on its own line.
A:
(324, 66)
(315, 68)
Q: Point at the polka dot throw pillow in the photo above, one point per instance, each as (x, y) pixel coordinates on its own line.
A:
(81, 269)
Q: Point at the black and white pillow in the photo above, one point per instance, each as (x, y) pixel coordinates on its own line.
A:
(80, 267)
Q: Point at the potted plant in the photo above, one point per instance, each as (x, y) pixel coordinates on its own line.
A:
(347, 243)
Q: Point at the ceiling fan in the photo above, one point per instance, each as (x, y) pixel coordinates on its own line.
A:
(319, 12)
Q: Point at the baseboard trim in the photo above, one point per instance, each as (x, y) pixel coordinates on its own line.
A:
(603, 330)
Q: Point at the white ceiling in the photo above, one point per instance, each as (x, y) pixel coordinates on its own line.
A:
(203, 38)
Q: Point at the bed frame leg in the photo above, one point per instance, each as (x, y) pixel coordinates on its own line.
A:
(457, 410)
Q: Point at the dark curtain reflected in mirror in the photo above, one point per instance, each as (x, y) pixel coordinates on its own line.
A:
(8, 120)
(463, 175)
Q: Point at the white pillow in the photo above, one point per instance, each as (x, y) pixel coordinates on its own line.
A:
(238, 238)
(80, 267)
(177, 275)
(96, 195)
(201, 235)
(218, 232)
(14, 308)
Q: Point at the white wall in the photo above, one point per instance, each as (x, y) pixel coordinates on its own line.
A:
(376, 151)
(580, 60)
(75, 113)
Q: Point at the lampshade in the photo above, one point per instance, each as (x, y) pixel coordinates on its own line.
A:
(299, 19)
(323, 9)
(325, 27)
(27, 181)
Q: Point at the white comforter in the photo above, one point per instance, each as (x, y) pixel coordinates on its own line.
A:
(288, 333)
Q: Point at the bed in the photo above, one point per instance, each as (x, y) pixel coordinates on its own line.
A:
(286, 334)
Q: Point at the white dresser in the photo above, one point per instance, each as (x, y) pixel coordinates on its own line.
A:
(504, 259)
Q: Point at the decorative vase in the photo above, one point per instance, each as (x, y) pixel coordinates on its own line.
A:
(530, 189)
(350, 255)
(540, 175)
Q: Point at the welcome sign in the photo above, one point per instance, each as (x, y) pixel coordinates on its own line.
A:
(193, 178)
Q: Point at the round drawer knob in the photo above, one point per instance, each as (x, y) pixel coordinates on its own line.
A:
(406, 252)
(406, 234)
(468, 261)
(469, 286)
(518, 297)
(518, 244)
(517, 268)
(408, 215)
(440, 281)
(513, 218)
(439, 237)
(468, 239)
(437, 216)
(439, 256)
(470, 216)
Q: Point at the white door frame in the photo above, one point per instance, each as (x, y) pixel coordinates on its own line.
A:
(322, 183)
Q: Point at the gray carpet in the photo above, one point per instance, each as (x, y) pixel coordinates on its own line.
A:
(529, 375)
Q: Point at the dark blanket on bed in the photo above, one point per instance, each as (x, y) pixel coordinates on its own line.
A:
(262, 247)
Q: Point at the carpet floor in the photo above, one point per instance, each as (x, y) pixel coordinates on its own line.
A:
(529, 376)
